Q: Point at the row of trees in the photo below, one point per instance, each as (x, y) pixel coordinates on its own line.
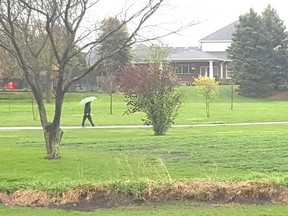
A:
(259, 53)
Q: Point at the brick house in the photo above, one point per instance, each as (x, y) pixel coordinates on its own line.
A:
(209, 59)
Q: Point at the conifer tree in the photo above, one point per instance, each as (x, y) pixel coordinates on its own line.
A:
(258, 53)
(277, 42)
(113, 35)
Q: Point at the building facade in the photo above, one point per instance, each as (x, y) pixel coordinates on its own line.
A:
(209, 59)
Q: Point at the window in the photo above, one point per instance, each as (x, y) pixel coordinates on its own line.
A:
(192, 69)
(204, 71)
(178, 69)
(185, 69)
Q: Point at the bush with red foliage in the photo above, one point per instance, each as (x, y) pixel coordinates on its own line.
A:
(151, 89)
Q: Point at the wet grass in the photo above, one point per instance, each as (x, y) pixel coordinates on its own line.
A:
(16, 109)
(217, 153)
(181, 209)
(228, 153)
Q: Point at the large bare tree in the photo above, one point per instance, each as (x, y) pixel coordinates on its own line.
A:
(20, 21)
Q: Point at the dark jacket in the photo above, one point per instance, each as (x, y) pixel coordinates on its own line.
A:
(87, 108)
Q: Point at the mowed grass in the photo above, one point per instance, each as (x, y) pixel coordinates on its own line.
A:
(102, 156)
(179, 209)
(16, 109)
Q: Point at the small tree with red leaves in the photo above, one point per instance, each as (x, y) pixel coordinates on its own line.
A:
(152, 89)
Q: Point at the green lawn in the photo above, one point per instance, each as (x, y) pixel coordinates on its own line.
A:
(179, 209)
(16, 109)
(226, 153)
(101, 155)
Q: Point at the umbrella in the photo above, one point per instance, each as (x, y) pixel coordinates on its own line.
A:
(87, 99)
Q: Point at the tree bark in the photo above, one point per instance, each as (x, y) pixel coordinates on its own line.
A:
(48, 84)
(53, 136)
(48, 90)
(52, 132)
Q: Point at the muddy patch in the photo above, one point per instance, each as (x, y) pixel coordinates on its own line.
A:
(280, 95)
(90, 199)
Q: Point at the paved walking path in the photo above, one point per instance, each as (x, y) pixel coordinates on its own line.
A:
(143, 126)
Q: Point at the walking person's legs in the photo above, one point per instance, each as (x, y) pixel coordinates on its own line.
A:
(83, 120)
(90, 120)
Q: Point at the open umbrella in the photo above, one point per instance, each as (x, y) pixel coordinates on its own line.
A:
(87, 99)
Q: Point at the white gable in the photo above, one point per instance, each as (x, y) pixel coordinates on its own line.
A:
(215, 46)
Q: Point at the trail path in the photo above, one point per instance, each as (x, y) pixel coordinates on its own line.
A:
(143, 126)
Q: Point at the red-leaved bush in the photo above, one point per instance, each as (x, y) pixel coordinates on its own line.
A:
(151, 89)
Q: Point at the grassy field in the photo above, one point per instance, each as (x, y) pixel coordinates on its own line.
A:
(105, 156)
(227, 153)
(16, 109)
(240, 153)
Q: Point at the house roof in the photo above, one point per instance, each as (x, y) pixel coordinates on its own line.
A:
(178, 54)
(223, 34)
(140, 52)
(221, 55)
(189, 54)
(181, 54)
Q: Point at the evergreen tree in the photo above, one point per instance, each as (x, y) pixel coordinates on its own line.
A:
(113, 36)
(258, 52)
(277, 42)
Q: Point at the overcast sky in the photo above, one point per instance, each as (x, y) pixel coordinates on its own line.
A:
(217, 14)
(211, 14)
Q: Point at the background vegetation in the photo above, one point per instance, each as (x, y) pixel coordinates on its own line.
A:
(16, 109)
(259, 53)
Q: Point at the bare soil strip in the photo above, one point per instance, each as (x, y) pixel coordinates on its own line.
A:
(90, 199)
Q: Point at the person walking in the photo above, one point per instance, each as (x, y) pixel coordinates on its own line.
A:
(87, 111)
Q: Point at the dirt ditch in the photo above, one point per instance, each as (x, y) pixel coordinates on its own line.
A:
(90, 199)
(280, 95)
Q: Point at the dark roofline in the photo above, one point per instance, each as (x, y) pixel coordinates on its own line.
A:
(225, 31)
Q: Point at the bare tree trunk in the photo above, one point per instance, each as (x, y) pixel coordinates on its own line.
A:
(48, 88)
(33, 110)
(48, 95)
(53, 136)
(52, 132)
